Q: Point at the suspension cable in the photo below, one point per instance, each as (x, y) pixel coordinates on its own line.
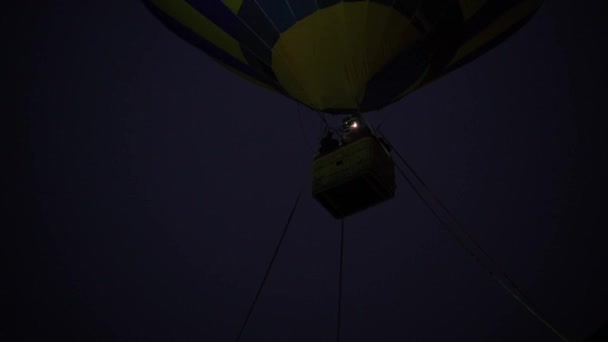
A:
(274, 256)
(456, 221)
(327, 127)
(513, 289)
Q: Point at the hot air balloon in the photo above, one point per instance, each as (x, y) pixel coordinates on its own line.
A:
(351, 57)
(345, 57)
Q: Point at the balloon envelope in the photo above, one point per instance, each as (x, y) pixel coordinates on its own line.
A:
(344, 56)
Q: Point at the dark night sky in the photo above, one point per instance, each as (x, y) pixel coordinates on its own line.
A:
(152, 185)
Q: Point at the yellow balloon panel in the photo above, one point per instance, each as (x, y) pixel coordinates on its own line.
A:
(326, 59)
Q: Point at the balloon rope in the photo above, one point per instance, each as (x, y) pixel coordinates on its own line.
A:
(274, 256)
(327, 125)
(513, 290)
